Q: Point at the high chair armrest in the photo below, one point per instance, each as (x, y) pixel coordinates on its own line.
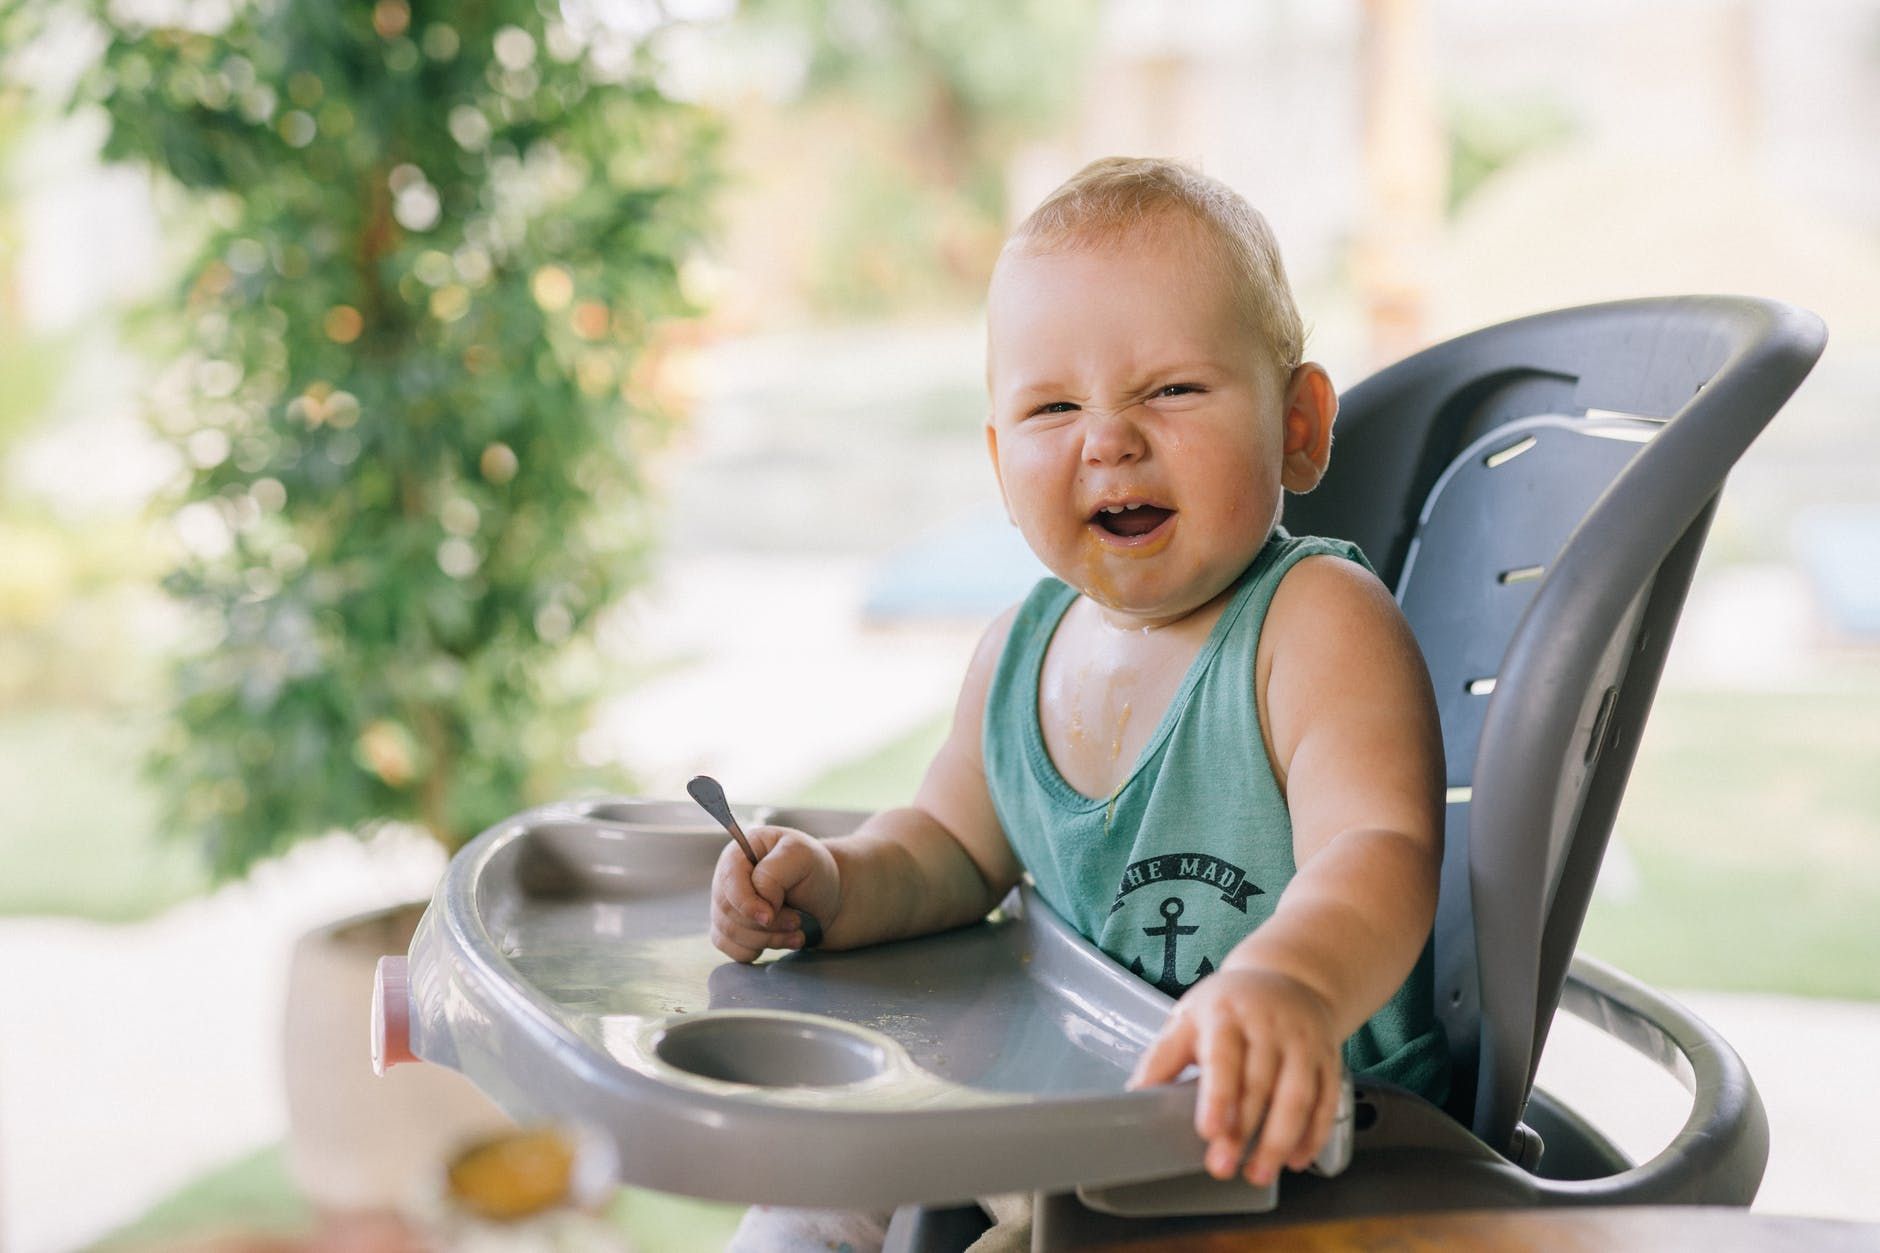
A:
(1718, 1156)
(1411, 1156)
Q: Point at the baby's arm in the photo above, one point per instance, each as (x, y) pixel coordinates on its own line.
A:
(943, 862)
(1357, 750)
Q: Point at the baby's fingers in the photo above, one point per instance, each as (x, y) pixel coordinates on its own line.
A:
(1256, 1089)
(746, 944)
(734, 893)
(1220, 1049)
(1171, 1051)
(784, 865)
(1295, 1097)
(740, 944)
(1331, 1086)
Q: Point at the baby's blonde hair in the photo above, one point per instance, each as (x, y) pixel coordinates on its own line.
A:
(1116, 196)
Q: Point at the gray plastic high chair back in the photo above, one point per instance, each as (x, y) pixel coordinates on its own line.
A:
(1537, 493)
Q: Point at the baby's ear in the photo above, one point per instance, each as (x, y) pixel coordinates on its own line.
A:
(1311, 406)
(992, 450)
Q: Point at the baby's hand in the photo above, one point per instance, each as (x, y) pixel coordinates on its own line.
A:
(749, 912)
(1264, 1043)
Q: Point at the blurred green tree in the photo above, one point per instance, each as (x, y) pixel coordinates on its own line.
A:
(1488, 136)
(957, 87)
(29, 362)
(408, 372)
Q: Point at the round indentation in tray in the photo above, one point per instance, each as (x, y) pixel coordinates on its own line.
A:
(675, 816)
(771, 1051)
(821, 823)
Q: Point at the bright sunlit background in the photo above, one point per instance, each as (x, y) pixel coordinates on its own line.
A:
(781, 577)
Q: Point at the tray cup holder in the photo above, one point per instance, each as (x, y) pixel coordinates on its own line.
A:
(676, 816)
(771, 1051)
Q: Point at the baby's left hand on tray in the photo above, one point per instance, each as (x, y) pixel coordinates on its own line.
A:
(1264, 1043)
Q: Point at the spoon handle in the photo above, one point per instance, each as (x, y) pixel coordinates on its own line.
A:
(711, 798)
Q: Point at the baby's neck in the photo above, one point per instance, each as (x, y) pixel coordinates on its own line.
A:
(1106, 684)
(1124, 622)
(1111, 620)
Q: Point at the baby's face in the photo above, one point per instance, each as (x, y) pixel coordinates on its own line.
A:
(1136, 421)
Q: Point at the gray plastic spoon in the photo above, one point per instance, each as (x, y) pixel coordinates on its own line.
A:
(711, 798)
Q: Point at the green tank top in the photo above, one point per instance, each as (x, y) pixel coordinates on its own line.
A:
(1191, 851)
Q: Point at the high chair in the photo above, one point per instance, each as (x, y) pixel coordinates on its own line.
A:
(1537, 494)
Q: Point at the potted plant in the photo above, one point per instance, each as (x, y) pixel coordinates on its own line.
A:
(410, 372)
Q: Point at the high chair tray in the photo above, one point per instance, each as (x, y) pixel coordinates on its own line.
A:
(564, 966)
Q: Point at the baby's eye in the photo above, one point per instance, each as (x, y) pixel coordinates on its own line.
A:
(1180, 389)
(1056, 406)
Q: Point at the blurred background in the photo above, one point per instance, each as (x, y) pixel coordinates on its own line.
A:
(407, 416)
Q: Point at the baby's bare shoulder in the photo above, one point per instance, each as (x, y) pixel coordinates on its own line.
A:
(1324, 595)
(991, 645)
(970, 708)
(1354, 731)
(1333, 628)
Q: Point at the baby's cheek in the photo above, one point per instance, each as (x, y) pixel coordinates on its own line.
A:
(1248, 510)
(1259, 499)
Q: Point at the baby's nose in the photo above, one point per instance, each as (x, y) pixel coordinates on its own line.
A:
(1112, 437)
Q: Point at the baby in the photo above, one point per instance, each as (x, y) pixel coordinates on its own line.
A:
(1212, 745)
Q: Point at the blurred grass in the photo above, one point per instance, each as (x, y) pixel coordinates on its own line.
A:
(255, 1196)
(883, 779)
(81, 836)
(658, 1223)
(1753, 824)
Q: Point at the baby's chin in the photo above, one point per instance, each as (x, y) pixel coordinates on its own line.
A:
(1150, 588)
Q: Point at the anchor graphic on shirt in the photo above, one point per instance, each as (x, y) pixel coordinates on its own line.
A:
(1171, 933)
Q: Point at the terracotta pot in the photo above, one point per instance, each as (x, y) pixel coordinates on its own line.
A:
(356, 1140)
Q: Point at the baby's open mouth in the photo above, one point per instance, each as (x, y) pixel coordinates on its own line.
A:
(1129, 521)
